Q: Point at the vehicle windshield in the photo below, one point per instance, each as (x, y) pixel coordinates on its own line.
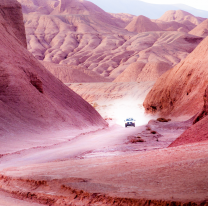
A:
(130, 119)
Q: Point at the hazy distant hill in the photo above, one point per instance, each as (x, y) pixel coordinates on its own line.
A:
(136, 7)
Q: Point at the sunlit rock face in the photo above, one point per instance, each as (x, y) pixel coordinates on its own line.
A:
(180, 91)
(79, 33)
(201, 29)
(31, 98)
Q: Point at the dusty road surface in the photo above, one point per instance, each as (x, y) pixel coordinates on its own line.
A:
(115, 166)
(8, 200)
(112, 141)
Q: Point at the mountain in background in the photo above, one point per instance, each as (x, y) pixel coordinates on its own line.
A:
(152, 11)
(79, 34)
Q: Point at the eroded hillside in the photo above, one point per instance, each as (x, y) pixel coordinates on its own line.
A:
(80, 33)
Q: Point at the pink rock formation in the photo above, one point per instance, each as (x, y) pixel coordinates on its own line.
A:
(130, 74)
(93, 39)
(32, 99)
(142, 24)
(201, 29)
(174, 26)
(153, 48)
(127, 18)
(73, 74)
(141, 72)
(80, 7)
(181, 16)
(180, 90)
(153, 70)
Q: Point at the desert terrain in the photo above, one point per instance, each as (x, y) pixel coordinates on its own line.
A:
(78, 74)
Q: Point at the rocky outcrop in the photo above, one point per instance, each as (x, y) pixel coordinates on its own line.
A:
(201, 29)
(180, 90)
(204, 111)
(142, 24)
(31, 98)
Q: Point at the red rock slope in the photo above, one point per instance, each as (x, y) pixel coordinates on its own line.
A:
(197, 132)
(31, 98)
(11, 19)
(201, 29)
(180, 90)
